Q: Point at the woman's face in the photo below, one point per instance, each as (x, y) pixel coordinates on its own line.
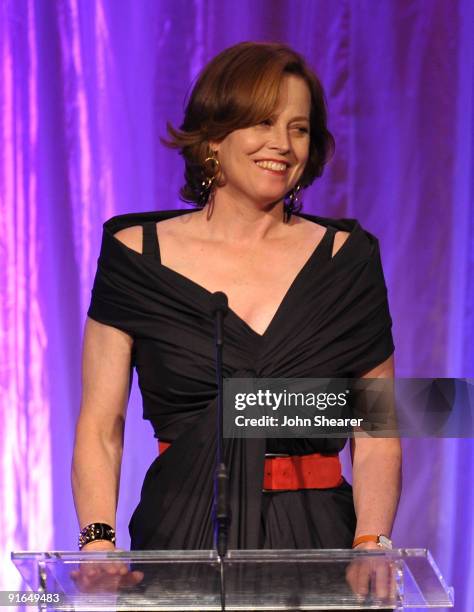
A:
(263, 162)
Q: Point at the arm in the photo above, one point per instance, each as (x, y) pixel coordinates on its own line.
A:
(100, 427)
(376, 469)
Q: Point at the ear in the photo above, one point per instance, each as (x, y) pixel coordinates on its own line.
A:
(214, 145)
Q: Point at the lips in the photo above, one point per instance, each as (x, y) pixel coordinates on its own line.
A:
(272, 166)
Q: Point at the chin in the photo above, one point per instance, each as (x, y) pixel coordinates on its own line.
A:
(271, 197)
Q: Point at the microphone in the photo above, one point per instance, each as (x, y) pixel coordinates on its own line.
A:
(219, 301)
(219, 308)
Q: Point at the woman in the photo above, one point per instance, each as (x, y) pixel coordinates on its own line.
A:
(307, 299)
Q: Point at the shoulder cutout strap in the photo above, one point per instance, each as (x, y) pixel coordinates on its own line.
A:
(331, 232)
(150, 240)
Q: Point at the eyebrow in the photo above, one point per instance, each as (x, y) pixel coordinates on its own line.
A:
(300, 118)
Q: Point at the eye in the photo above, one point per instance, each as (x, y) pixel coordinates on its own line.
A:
(302, 129)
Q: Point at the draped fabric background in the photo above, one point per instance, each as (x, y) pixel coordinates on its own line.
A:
(85, 90)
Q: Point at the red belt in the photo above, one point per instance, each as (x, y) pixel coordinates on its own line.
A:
(315, 471)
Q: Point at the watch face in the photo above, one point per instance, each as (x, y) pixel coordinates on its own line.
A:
(384, 542)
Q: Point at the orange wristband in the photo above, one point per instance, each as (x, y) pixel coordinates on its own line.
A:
(365, 538)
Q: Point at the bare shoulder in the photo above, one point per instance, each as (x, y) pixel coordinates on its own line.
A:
(178, 235)
(315, 229)
(339, 239)
(181, 224)
(131, 237)
(308, 229)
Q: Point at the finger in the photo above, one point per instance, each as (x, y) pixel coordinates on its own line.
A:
(393, 582)
(86, 580)
(137, 575)
(83, 584)
(382, 576)
(107, 583)
(115, 568)
(89, 570)
(131, 579)
(363, 579)
(352, 577)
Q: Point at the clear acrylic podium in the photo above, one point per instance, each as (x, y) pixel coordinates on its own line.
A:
(254, 580)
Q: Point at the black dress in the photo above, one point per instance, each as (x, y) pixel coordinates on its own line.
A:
(333, 321)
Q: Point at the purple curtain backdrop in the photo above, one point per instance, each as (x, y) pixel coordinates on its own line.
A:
(85, 90)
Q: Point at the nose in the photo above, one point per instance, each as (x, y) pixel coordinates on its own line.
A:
(279, 139)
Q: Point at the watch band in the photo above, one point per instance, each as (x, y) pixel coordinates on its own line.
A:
(96, 531)
(381, 540)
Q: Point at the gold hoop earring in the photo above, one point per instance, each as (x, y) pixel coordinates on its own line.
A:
(207, 183)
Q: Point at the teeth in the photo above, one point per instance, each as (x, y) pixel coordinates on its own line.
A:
(271, 165)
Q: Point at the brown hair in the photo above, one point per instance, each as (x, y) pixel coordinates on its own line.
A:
(237, 89)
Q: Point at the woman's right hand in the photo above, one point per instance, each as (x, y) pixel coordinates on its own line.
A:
(104, 576)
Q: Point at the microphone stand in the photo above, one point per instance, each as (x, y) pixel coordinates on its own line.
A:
(219, 304)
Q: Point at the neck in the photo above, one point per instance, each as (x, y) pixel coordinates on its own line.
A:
(237, 220)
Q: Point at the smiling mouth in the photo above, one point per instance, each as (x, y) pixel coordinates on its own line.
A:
(273, 167)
